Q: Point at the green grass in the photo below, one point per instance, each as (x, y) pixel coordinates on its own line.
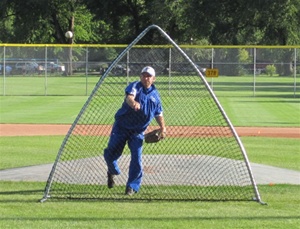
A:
(26, 151)
(242, 111)
(83, 85)
(261, 86)
(40, 109)
(279, 152)
(67, 191)
(40, 86)
(274, 104)
(277, 112)
(19, 208)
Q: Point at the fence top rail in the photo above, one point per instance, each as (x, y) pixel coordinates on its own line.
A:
(150, 46)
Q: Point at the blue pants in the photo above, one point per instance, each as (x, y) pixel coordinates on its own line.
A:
(119, 137)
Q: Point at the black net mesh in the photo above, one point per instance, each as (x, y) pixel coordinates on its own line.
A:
(201, 158)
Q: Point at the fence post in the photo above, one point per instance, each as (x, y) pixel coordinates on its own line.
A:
(46, 79)
(170, 69)
(86, 69)
(212, 66)
(254, 71)
(295, 71)
(4, 71)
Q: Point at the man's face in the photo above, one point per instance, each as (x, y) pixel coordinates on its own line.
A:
(147, 80)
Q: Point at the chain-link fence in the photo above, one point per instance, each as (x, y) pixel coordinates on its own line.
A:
(75, 69)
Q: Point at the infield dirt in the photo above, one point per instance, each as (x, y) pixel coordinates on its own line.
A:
(46, 129)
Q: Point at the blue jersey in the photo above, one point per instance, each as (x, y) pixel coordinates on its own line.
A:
(151, 107)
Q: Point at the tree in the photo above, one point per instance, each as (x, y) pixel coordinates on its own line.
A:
(6, 22)
(279, 20)
(232, 22)
(127, 19)
(246, 22)
(42, 21)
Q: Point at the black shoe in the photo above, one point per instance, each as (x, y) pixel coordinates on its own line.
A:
(129, 191)
(110, 180)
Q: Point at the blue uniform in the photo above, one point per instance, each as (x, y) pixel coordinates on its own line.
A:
(129, 127)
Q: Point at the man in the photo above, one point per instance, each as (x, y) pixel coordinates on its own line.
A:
(142, 103)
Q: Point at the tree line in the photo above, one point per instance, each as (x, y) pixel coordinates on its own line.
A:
(215, 22)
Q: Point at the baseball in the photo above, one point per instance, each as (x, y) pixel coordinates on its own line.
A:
(69, 34)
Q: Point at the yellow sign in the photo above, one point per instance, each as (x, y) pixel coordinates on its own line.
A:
(212, 72)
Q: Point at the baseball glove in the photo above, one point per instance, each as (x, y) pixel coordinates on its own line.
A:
(154, 136)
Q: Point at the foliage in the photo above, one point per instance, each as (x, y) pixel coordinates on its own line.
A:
(100, 21)
(270, 70)
(246, 22)
(244, 56)
(42, 21)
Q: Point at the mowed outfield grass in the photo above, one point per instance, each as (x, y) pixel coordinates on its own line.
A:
(80, 85)
(19, 206)
(275, 102)
(32, 150)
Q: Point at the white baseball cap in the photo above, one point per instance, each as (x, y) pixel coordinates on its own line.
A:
(149, 70)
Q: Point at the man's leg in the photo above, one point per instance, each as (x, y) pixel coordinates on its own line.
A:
(114, 150)
(135, 144)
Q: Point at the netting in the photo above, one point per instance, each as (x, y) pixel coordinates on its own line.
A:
(202, 158)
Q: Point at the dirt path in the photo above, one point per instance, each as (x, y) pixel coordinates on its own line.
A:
(45, 129)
